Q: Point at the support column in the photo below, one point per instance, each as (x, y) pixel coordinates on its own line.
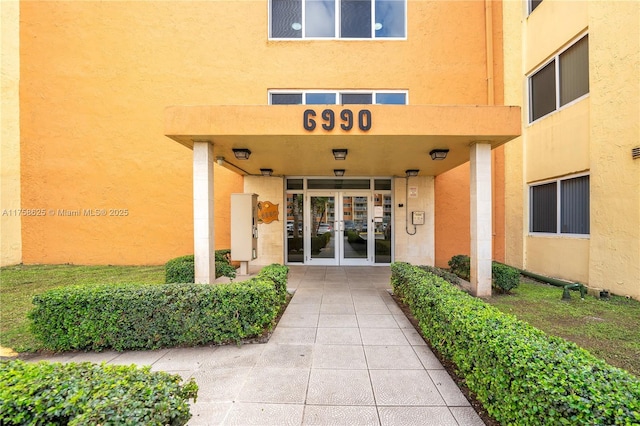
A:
(481, 214)
(203, 229)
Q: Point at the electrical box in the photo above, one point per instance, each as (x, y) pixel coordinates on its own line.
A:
(244, 228)
(417, 218)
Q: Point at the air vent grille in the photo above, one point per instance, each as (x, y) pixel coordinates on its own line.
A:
(635, 152)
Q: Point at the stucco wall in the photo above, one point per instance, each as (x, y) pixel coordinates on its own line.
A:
(10, 206)
(419, 247)
(96, 77)
(270, 235)
(614, 131)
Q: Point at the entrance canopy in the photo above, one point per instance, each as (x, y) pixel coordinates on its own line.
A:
(382, 140)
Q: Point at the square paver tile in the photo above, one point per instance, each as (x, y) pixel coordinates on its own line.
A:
(337, 308)
(466, 416)
(376, 321)
(392, 358)
(337, 297)
(338, 336)
(208, 413)
(184, 358)
(303, 308)
(372, 309)
(404, 387)
(247, 414)
(95, 357)
(139, 357)
(428, 359)
(292, 335)
(423, 416)
(448, 389)
(340, 387)
(337, 321)
(308, 298)
(403, 322)
(350, 357)
(303, 320)
(383, 336)
(234, 356)
(286, 356)
(220, 384)
(276, 385)
(318, 415)
(413, 337)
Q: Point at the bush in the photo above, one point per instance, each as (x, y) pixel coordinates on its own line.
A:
(148, 317)
(320, 242)
(460, 265)
(442, 273)
(520, 374)
(182, 270)
(81, 394)
(505, 278)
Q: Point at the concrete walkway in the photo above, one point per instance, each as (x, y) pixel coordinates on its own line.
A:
(343, 353)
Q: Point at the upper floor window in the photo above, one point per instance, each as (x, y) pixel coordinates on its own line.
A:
(360, 19)
(532, 4)
(563, 79)
(560, 206)
(331, 97)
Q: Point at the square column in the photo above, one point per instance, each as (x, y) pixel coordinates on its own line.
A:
(203, 229)
(481, 215)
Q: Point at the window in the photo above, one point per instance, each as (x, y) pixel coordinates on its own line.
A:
(562, 80)
(563, 202)
(533, 4)
(359, 19)
(330, 97)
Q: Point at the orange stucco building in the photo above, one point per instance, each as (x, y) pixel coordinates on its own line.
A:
(106, 89)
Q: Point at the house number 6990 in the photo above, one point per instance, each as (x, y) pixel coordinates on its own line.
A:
(329, 119)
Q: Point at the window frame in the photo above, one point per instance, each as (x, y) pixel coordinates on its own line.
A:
(338, 94)
(558, 181)
(556, 60)
(531, 7)
(337, 23)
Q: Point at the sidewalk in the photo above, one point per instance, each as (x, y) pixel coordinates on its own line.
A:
(343, 353)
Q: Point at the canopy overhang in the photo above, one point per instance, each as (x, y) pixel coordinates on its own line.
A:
(382, 140)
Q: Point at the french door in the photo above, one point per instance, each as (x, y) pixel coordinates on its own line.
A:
(337, 228)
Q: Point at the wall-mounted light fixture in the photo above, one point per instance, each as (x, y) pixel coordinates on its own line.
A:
(241, 153)
(438, 154)
(338, 172)
(412, 172)
(266, 172)
(340, 154)
(220, 161)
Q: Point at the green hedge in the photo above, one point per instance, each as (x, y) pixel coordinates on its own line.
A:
(147, 317)
(521, 375)
(504, 277)
(182, 270)
(83, 394)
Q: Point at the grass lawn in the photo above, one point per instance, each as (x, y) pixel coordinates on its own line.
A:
(18, 285)
(608, 329)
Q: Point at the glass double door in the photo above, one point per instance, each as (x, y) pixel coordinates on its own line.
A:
(337, 227)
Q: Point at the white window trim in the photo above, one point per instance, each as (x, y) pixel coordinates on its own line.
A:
(337, 27)
(373, 94)
(557, 180)
(556, 58)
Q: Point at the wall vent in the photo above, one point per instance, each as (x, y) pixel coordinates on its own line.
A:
(635, 152)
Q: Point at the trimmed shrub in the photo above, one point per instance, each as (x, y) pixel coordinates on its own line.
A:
(182, 269)
(520, 374)
(460, 265)
(81, 394)
(505, 277)
(147, 317)
(442, 273)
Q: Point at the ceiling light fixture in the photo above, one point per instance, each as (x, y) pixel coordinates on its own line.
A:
(338, 172)
(220, 161)
(241, 153)
(340, 154)
(438, 154)
(266, 172)
(412, 172)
